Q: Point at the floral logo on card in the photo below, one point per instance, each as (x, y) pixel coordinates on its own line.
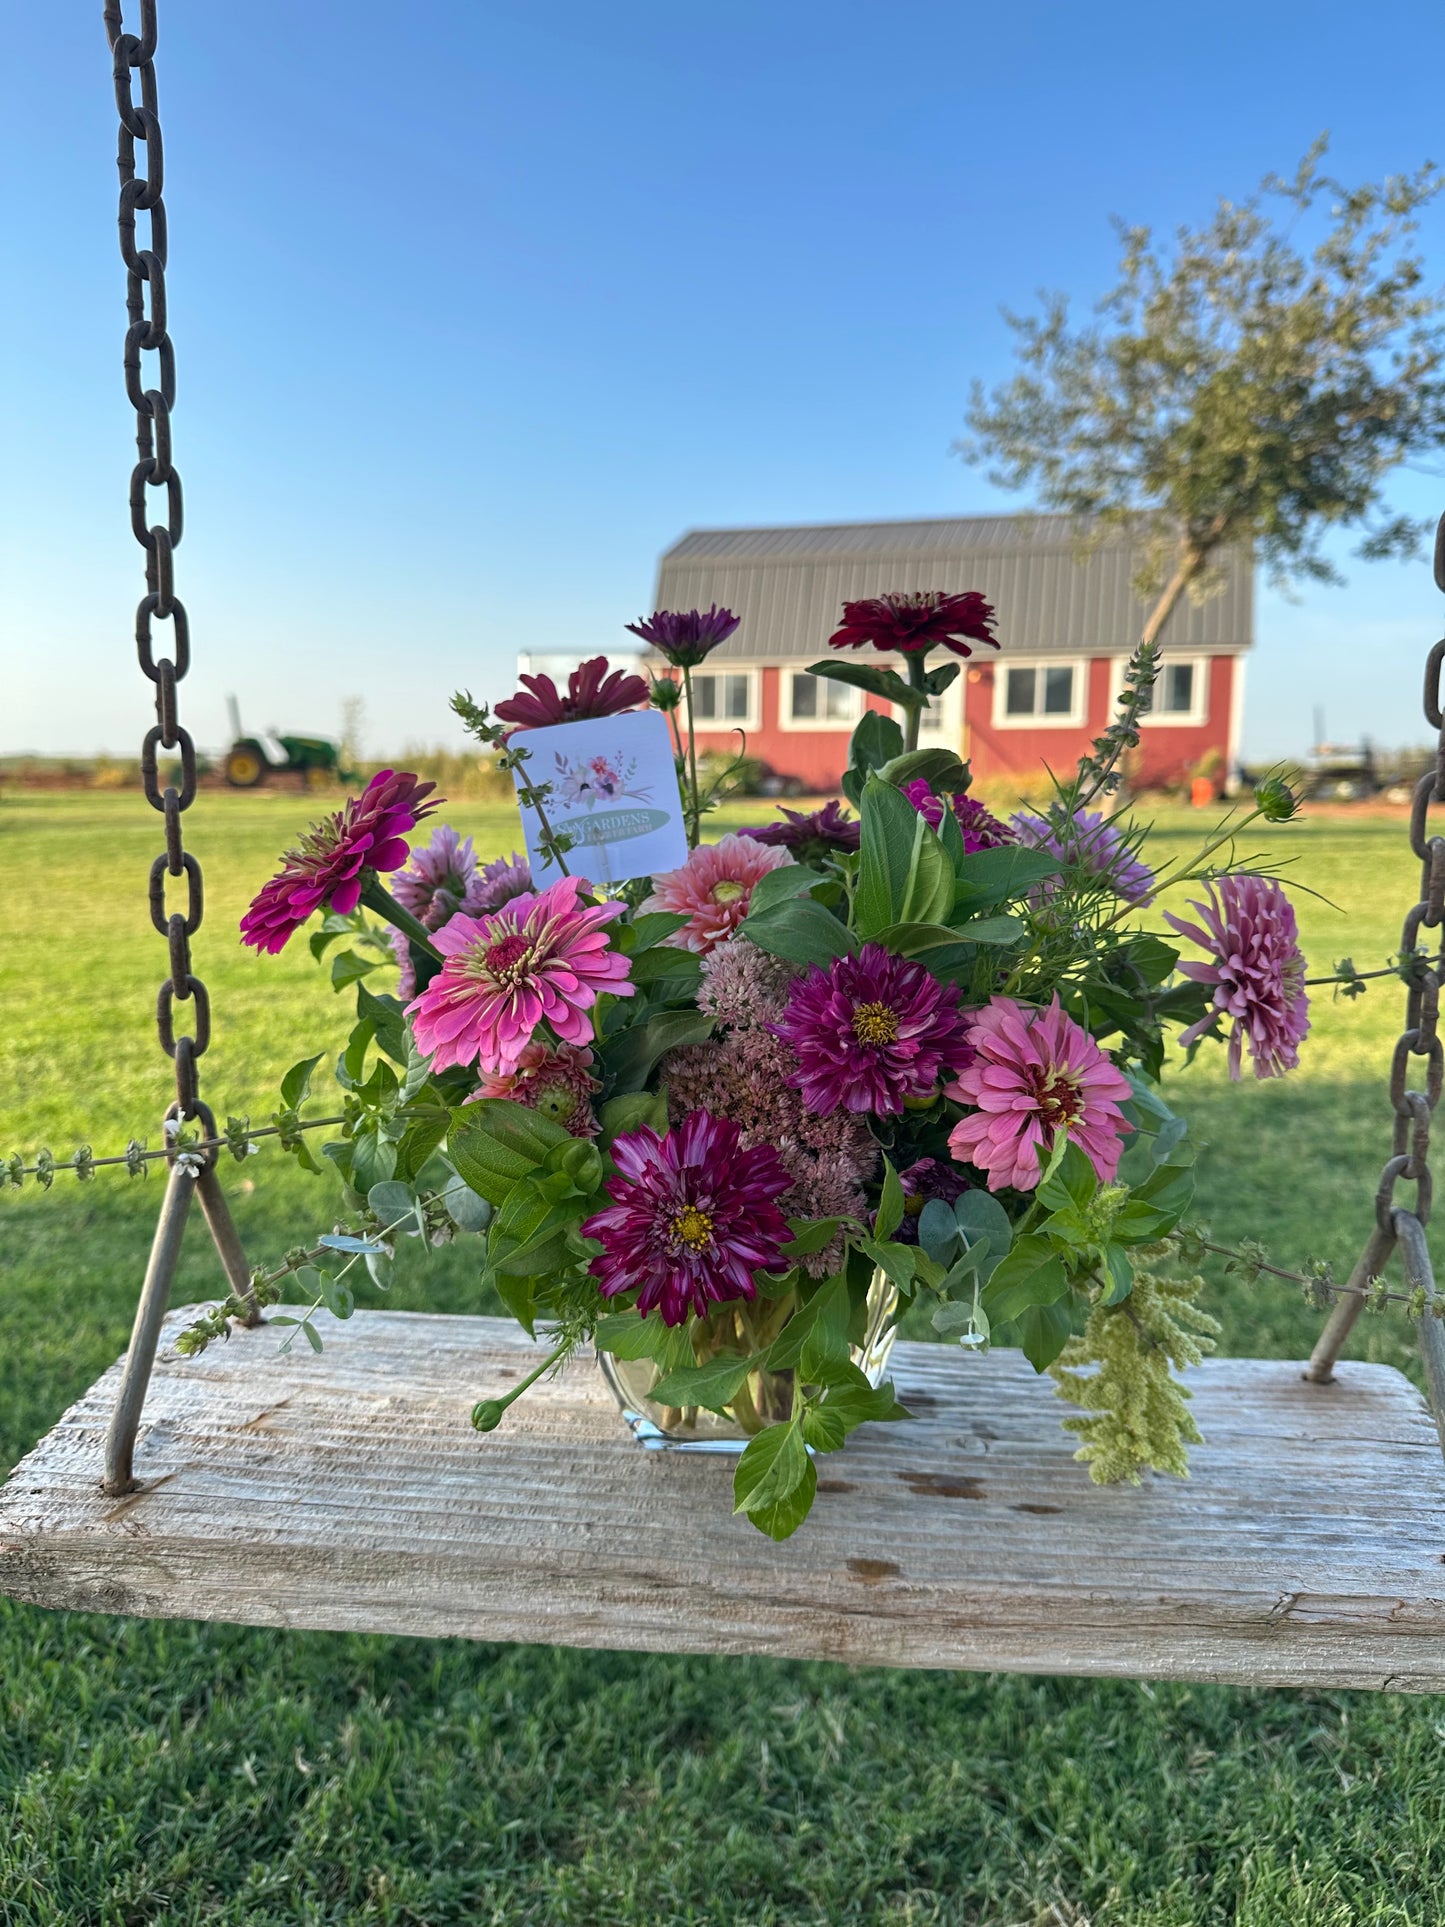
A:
(586, 782)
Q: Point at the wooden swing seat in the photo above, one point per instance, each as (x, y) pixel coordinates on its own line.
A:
(347, 1492)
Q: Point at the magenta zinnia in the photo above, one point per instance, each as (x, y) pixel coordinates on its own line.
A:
(541, 959)
(693, 1216)
(1257, 970)
(713, 889)
(555, 1079)
(686, 637)
(591, 692)
(872, 1031)
(329, 864)
(1035, 1072)
(914, 624)
(979, 827)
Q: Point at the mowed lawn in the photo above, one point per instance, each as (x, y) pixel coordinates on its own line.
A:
(210, 1774)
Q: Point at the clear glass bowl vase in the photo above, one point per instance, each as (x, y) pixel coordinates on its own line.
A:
(764, 1398)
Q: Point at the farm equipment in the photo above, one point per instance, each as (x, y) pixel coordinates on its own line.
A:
(251, 759)
(1341, 773)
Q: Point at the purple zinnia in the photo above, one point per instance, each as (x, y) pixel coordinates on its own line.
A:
(979, 828)
(330, 863)
(810, 834)
(872, 1031)
(1091, 842)
(693, 1216)
(926, 1178)
(686, 637)
(1257, 970)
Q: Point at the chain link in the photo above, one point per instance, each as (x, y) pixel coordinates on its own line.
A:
(156, 487)
(1415, 1110)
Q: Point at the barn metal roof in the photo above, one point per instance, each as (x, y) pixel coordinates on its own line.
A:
(789, 585)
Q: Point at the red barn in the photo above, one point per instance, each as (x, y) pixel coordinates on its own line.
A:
(1067, 620)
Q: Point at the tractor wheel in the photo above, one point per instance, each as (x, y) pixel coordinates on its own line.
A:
(245, 765)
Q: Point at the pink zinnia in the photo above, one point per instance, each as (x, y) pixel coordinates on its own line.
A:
(693, 1216)
(539, 959)
(1033, 1072)
(330, 862)
(713, 889)
(555, 1079)
(1257, 970)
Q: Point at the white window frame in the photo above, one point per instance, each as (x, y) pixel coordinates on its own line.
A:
(1195, 717)
(1075, 715)
(724, 725)
(815, 725)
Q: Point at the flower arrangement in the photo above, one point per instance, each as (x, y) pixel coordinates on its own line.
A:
(730, 1123)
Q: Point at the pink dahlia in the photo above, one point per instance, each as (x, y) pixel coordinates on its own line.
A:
(872, 1031)
(591, 692)
(330, 862)
(914, 624)
(1257, 969)
(693, 1216)
(554, 1079)
(538, 960)
(1091, 842)
(1035, 1071)
(713, 889)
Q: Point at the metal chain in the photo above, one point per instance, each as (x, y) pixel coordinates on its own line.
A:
(146, 333)
(1414, 1110)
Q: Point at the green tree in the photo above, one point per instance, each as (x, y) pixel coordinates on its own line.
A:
(1236, 389)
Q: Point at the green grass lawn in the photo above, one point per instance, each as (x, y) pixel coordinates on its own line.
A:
(210, 1774)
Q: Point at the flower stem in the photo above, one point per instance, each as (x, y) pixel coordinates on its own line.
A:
(917, 668)
(376, 897)
(695, 831)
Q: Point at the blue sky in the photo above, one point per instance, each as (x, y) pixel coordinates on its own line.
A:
(476, 308)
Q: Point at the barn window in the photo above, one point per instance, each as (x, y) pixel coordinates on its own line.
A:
(723, 699)
(1181, 695)
(815, 701)
(1047, 693)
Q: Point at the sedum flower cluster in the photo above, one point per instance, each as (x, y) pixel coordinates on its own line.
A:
(903, 1052)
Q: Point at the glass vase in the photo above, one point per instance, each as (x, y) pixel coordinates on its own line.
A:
(764, 1398)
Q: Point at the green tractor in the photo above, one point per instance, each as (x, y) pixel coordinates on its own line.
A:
(251, 759)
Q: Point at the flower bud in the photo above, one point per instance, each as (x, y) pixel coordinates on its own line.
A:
(665, 694)
(487, 1416)
(1275, 800)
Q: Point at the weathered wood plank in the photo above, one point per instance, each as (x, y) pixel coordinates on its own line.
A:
(349, 1492)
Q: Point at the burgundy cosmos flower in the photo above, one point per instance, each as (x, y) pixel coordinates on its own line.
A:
(685, 638)
(872, 1031)
(693, 1216)
(591, 692)
(914, 623)
(328, 864)
(810, 834)
(1257, 970)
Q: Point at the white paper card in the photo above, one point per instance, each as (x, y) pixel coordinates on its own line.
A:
(614, 792)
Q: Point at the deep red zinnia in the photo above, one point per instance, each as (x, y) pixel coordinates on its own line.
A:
(912, 624)
(591, 692)
(328, 864)
(693, 1216)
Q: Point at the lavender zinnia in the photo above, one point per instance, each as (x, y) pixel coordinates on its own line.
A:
(693, 1215)
(1257, 970)
(871, 1032)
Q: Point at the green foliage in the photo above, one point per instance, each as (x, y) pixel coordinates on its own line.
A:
(1135, 1414)
(1239, 389)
